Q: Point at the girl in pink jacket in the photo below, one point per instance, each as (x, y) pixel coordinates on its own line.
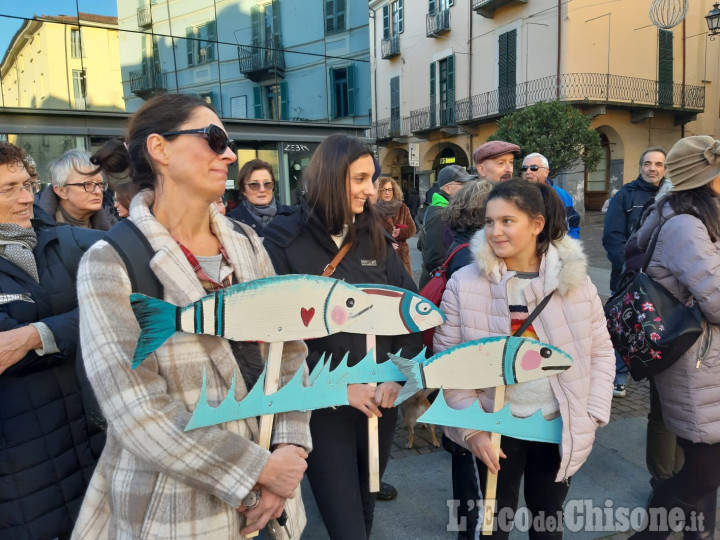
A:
(522, 255)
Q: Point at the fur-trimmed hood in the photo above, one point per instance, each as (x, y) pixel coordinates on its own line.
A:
(562, 268)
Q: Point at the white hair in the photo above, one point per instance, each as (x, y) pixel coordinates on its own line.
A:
(60, 168)
(543, 159)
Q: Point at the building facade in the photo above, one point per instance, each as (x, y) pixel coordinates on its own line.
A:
(282, 74)
(474, 61)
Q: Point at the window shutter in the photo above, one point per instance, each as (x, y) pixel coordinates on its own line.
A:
(401, 23)
(332, 94)
(329, 16)
(341, 13)
(351, 89)
(386, 22)
(431, 7)
(450, 104)
(507, 61)
(190, 43)
(258, 104)
(211, 43)
(432, 93)
(257, 31)
(277, 32)
(665, 67)
(284, 101)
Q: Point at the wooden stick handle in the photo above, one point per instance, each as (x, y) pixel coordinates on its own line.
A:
(373, 439)
(272, 383)
(490, 493)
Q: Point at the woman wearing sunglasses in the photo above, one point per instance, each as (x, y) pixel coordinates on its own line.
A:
(258, 206)
(396, 217)
(340, 181)
(154, 479)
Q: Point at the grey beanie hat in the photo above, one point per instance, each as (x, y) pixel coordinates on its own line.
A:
(693, 162)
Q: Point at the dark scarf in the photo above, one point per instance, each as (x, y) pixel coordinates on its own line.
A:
(388, 208)
(16, 245)
(261, 214)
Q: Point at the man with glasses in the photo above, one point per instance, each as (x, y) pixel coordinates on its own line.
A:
(76, 198)
(436, 236)
(535, 168)
(46, 450)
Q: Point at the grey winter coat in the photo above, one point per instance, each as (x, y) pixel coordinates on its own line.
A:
(687, 263)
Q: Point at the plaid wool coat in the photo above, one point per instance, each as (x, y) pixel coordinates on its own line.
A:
(154, 480)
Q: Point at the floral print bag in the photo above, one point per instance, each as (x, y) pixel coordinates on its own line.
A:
(648, 326)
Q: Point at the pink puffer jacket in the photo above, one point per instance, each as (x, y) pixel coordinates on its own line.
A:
(476, 306)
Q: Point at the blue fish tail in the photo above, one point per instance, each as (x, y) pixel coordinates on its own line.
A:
(158, 321)
(412, 370)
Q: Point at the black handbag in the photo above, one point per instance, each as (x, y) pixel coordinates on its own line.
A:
(648, 326)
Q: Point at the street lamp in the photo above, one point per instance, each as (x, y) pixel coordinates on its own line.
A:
(713, 21)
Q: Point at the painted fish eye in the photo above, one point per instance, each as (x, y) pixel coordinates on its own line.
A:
(545, 352)
(350, 302)
(423, 308)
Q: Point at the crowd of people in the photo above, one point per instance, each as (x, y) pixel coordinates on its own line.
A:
(92, 448)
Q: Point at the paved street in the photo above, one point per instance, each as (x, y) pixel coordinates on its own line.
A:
(613, 478)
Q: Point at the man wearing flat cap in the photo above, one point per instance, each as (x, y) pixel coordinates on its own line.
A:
(494, 160)
(434, 240)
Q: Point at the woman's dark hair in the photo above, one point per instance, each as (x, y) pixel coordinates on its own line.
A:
(14, 156)
(326, 187)
(249, 168)
(158, 115)
(535, 200)
(699, 202)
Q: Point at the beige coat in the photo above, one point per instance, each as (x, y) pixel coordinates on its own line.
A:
(476, 306)
(155, 480)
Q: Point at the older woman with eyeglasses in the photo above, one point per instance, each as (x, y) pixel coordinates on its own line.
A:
(76, 197)
(258, 206)
(47, 448)
(396, 217)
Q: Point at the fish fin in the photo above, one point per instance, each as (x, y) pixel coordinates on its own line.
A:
(157, 320)
(412, 370)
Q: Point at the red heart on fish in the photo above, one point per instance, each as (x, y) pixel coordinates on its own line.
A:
(306, 315)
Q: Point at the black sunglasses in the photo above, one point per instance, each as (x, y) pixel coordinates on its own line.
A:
(533, 168)
(217, 139)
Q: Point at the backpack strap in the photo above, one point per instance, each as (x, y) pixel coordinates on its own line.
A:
(453, 253)
(136, 252)
(70, 251)
(531, 317)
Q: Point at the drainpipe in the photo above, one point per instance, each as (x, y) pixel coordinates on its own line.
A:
(470, 71)
(559, 44)
(373, 71)
(682, 126)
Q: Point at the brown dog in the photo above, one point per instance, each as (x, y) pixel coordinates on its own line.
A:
(411, 410)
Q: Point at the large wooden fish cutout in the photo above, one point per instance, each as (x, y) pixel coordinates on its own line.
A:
(327, 388)
(483, 363)
(279, 308)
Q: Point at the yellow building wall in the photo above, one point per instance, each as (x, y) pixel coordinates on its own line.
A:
(41, 74)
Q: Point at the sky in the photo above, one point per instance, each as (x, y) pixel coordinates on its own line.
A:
(27, 8)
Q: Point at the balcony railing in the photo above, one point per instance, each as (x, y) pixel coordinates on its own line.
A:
(434, 116)
(145, 83)
(578, 88)
(390, 128)
(390, 46)
(258, 63)
(437, 23)
(487, 8)
(144, 17)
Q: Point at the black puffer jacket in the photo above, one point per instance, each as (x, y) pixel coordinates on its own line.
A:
(243, 215)
(301, 244)
(621, 219)
(46, 459)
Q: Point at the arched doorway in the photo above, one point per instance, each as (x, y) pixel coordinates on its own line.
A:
(395, 164)
(449, 154)
(609, 173)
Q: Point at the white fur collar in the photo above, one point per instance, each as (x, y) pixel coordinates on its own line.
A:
(562, 268)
